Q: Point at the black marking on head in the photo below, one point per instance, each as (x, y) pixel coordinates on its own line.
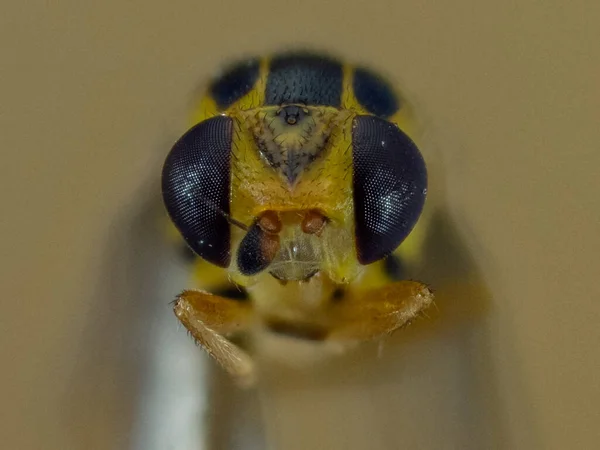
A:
(196, 186)
(338, 295)
(292, 114)
(304, 78)
(308, 332)
(232, 292)
(235, 82)
(278, 274)
(389, 186)
(374, 93)
(256, 251)
(393, 267)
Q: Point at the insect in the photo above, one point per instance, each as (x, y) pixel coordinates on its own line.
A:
(298, 187)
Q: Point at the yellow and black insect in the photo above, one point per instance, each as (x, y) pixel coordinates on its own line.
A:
(298, 188)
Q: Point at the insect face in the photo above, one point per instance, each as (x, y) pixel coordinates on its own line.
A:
(297, 176)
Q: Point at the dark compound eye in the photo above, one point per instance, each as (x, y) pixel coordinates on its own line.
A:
(374, 93)
(390, 185)
(195, 186)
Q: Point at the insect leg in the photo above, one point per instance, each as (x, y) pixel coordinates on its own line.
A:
(372, 314)
(209, 318)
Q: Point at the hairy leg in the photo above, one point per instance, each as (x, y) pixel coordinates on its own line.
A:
(209, 318)
(371, 314)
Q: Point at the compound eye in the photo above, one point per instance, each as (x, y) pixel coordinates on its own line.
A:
(389, 184)
(196, 186)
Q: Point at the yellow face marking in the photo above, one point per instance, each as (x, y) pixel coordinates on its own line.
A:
(256, 96)
(326, 185)
(206, 108)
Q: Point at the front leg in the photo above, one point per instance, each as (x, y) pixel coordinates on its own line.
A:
(371, 314)
(209, 318)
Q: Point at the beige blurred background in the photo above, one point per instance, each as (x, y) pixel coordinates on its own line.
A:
(94, 93)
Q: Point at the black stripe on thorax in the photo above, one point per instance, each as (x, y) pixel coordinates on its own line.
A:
(304, 78)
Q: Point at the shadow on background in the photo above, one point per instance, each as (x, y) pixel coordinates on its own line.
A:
(137, 370)
(138, 380)
(432, 386)
(106, 383)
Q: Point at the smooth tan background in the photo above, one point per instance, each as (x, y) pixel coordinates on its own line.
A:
(93, 93)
